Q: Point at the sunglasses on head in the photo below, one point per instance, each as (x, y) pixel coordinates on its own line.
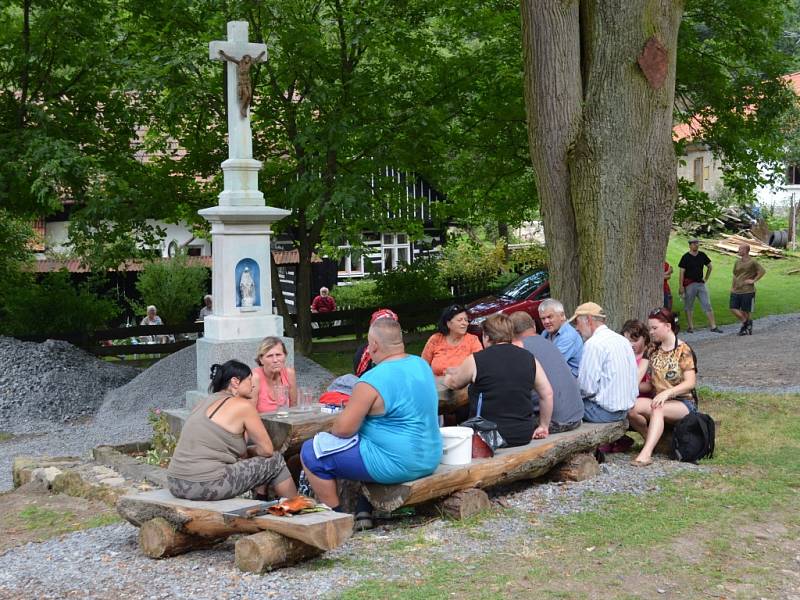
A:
(659, 312)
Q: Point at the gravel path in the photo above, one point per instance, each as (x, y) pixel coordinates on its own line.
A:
(105, 563)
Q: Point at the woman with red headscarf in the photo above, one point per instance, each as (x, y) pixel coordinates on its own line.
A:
(362, 361)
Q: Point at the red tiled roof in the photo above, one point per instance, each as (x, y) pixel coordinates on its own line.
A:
(74, 266)
(291, 257)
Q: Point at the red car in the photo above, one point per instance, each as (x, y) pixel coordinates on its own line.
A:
(526, 293)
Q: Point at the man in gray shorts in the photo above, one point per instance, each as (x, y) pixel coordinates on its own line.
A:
(693, 284)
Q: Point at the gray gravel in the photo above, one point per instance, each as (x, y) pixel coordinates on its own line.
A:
(122, 416)
(106, 563)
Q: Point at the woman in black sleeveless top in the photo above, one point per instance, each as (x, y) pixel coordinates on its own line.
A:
(504, 374)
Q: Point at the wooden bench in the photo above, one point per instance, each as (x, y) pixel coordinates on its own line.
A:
(171, 526)
(507, 465)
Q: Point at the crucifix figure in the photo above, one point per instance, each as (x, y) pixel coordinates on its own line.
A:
(239, 56)
(244, 85)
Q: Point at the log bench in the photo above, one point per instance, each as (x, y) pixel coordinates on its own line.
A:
(507, 465)
(169, 526)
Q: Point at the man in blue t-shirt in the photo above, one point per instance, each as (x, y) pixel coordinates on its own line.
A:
(393, 410)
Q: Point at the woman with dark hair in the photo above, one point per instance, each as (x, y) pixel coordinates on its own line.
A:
(501, 378)
(451, 343)
(212, 460)
(636, 333)
(673, 375)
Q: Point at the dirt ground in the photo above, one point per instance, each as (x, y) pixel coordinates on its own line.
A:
(766, 361)
(32, 516)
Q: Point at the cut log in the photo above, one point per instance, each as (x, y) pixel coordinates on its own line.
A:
(324, 530)
(266, 550)
(159, 539)
(465, 503)
(507, 465)
(578, 468)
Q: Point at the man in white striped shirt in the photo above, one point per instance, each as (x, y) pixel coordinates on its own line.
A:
(607, 373)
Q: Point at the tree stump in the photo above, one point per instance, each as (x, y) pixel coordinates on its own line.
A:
(465, 503)
(159, 539)
(262, 551)
(578, 468)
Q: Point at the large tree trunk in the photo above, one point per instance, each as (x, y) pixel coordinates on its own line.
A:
(600, 135)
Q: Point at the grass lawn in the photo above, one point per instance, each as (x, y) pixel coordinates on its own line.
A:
(731, 532)
(776, 293)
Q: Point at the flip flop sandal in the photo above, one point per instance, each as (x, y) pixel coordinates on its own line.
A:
(363, 521)
(642, 463)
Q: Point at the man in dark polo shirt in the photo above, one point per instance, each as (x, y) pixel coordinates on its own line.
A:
(693, 284)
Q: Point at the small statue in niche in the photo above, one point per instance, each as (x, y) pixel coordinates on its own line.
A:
(244, 85)
(247, 288)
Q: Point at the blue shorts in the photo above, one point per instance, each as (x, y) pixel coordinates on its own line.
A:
(341, 465)
(594, 413)
(688, 404)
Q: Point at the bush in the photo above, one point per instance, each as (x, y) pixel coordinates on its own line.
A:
(418, 282)
(525, 260)
(465, 258)
(361, 294)
(175, 288)
(54, 305)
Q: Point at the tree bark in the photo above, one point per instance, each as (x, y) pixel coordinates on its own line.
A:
(600, 134)
(262, 551)
(159, 539)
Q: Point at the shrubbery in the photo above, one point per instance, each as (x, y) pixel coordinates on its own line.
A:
(175, 288)
(360, 294)
(53, 305)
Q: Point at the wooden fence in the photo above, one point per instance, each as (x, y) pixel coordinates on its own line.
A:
(355, 322)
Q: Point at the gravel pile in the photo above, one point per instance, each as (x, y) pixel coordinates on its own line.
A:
(52, 381)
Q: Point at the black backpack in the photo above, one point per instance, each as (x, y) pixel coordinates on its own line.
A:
(693, 438)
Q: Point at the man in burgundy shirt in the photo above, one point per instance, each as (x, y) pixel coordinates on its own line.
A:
(324, 303)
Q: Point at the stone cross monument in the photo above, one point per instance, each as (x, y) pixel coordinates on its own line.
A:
(240, 229)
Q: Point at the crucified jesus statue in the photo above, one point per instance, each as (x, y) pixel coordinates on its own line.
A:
(244, 86)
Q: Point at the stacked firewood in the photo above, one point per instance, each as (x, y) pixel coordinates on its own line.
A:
(730, 245)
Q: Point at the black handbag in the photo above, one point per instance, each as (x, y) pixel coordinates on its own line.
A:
(485, 429)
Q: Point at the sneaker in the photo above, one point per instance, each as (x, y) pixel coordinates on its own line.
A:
(689, 330)
(717, 330)
(743, 329)
(749, 327)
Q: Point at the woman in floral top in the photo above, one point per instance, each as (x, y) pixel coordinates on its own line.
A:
(673, 374)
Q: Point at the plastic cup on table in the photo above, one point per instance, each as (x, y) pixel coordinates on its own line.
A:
(305, 399)
(282, 400)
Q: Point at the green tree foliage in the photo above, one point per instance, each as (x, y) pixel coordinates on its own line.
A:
(69, 308)
(174, 287)
(732, 59)
(67, 120)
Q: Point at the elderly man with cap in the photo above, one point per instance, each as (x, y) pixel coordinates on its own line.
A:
(607, 373)
(693, 284)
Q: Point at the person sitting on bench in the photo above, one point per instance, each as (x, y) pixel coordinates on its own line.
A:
(505, 375)
(393, 411)
(211, 460)
(672, 370)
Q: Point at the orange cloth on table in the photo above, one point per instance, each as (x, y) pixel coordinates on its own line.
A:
(266, 402)
(441, 354)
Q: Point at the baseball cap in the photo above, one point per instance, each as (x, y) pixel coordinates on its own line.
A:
(694, 240)
(588, 309)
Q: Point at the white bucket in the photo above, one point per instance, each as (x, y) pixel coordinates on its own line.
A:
(456, 445)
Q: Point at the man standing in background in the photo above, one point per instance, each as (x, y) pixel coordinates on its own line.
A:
(693, 284)
(746, 271)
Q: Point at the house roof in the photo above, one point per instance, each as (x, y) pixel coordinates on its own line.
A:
(694, 128)
(291, 257)
(75, 266)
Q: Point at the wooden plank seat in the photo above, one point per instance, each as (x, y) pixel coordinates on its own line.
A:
(170, 526)
(507, 465)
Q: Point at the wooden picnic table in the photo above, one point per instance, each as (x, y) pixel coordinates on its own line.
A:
(289, 432)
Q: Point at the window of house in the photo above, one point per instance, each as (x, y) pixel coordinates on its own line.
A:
(793, 175)
(698, 173)
(351, 264)
(396, 250)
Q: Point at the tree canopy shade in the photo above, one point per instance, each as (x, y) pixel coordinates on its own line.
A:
(600, 84)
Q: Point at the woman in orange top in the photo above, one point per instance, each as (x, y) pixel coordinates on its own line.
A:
(271, 373)
(451, 344)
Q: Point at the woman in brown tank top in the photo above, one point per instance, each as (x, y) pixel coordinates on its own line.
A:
(212, 460)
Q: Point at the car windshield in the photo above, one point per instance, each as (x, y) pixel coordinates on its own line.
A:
(524, 286)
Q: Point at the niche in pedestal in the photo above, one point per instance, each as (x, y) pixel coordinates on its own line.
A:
(248, 288)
